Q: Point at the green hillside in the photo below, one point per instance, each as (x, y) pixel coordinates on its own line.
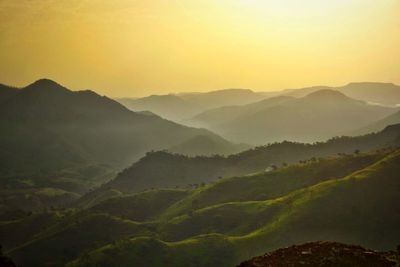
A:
(347, 198)
(161, 169)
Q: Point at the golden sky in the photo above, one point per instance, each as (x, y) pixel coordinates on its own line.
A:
(141, 47)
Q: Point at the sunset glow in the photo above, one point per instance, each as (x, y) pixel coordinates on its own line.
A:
(137, 47)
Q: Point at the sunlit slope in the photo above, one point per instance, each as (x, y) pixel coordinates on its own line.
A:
(358, 208)
(273, 184)
(165, 170)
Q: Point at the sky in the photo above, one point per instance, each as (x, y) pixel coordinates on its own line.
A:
(142, 47)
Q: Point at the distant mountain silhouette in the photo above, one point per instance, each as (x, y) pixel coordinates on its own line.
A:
(182, 106)
(214, 117)
(373, 92)
(317, 116)
(171, 107)
(226, 97)
(46, 128)
(379, 125)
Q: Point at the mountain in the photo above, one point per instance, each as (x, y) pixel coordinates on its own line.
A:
(379, 125)
(344, 198)
(182, 106)
(377, 93)
(171, 107)
(226, 97)
(161, 169)
(386, 94)
(317, 116)
(214, 117)
(324, 254)
(52, 137)
(6, 92)
(207, 145)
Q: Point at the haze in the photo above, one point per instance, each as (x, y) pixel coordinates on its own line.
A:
(134, 48)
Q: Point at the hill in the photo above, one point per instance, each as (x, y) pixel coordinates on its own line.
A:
(162, 169)
(170, 107)
(379, 125)
(386, 94)
(377, 93)
(225, 97)
(214, 117)
(207, 146)
(52, 137)
(179, 107)
(329, 254)
(315, 117)
(6, 92)
(346, 198)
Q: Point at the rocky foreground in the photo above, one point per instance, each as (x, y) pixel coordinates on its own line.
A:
(325, 254)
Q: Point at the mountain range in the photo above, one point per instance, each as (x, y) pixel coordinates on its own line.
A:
(317, 116)
(181, 107)
(85, 181)
(55, 138)
(177, 107)
(162, 169)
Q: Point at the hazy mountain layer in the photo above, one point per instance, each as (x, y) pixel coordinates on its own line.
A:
(165, 170)
(178, 107)
(372, 92)
(318, 116)
(54, 138)
(182, 106)
(379, 125)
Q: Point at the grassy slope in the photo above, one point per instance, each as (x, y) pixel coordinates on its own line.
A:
(357, 204)
(66, 241)
(272, 184)
(140, 207)
(165, 170)
(357, 208)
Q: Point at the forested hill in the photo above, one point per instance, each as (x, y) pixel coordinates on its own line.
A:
(165, 170)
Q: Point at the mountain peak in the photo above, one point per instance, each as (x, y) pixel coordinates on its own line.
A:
(46, 84)
(326, 93)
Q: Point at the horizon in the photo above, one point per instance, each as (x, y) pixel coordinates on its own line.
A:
(177, 93)
(136, 48)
